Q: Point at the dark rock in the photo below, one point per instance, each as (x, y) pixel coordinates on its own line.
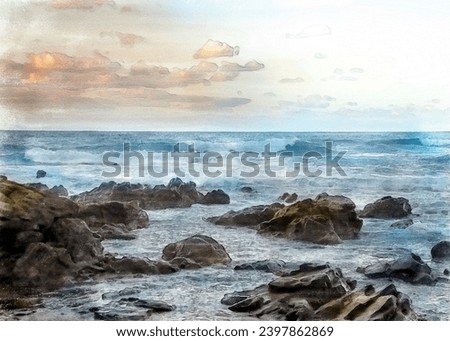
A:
(60, 191)
(446, 272)
(288, 198)
(320, 293)
(247, 189)
(408, 268)
(76, 237)
(44, 267)
(387, 208)
(127, 265)
(114, 231)
(441, 250)
(250, 216)
(41, 173)
(402, 224)
(176, 194)
(325, 220)
(272, 266)
(215, 197)
(201, 249)
(128, 214)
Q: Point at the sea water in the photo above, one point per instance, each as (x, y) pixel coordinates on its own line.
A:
(413, 165)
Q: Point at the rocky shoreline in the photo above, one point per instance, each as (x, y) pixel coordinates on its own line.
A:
(49, 240)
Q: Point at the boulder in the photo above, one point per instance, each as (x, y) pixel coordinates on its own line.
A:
(75, 236)
(250, 216)
(41, 173)
(200, 249)
(409, 268)
(441, 250)
(387, 208)
(43, 267)
(126, 213)
(247, 189)
(325, 220)
(176, 194)
(320, 292)
(59, 191)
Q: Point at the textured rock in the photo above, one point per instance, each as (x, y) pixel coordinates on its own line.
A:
(200, 249)
(41, 173)
(402, 224)
(441, 250)
(126, 266)
(128, 214)
(387, 208)
(43, 266)
(76, 237)
(114, 231)
(320, 293)
(288, 198)
(250, 216)
(176, 194)
(408, 268)
(267, 265)
(324, 220)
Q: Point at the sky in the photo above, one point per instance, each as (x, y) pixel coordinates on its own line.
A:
(316, 65)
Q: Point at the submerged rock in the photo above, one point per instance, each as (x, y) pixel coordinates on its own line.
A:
(408, 268)
(387, 208)
(200, 249)
(176, 194)
(402, 224)
(41, 173)
(320, 292)
(441, 250)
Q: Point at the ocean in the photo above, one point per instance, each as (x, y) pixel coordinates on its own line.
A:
(361, 166)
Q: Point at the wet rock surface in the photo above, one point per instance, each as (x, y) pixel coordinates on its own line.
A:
(250, 216)
(387, 208)
(320, 292)
(409, 268)
(198, 249)
(441, 250)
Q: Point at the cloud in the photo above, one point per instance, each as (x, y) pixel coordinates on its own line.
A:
(352, 104)
(81, 4)
(292, 80)
(235, 67)
(214, 49)
(338, 71)
(319, 55)
(309, 102)
(126, 9)
(126, 39)
(311, 31)
(348, 79)
(270, 94)
(51, 80)
(356, 70)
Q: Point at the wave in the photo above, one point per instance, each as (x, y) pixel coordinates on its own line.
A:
(47, 156)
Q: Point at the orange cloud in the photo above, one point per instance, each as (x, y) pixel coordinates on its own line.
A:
(214, 48)
(235, 67)
(126, 39)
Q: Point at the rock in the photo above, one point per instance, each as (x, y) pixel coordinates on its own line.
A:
(201, 249)
(134, 266)
(441, 250)
(325, 220)
(446, 272)
(24, 208)
(272, 266)
(176, 194)
(288, 198)
(215, 197)
(44, 267)
(250, 216)
(114, 231)
(76, 237)
(409, 268)
(247, 189)
(387, 208)
(59, 191)
(41, 173)
(369, 305)
(128, 214)
(320, 292)
(402, 224)
(130, 309)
